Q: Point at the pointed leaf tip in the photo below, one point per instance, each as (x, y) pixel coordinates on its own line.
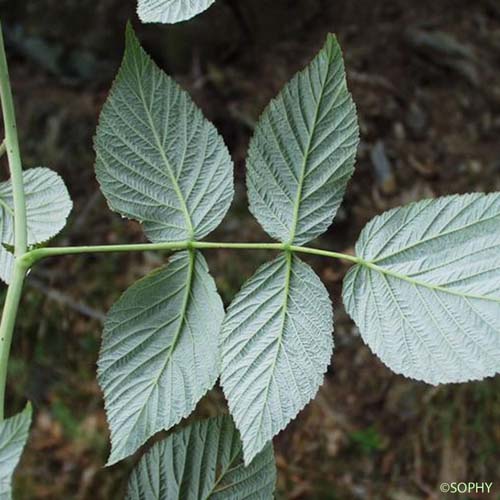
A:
(302, 154)
(276, 344)
(159, 352)
(158, 160)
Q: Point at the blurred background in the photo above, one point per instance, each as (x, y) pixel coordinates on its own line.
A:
(426, 79)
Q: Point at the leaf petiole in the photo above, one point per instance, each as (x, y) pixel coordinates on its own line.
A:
(33, 256)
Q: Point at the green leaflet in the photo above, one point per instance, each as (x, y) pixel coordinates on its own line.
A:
(276, 346)
(277, 335)
(427, 301)
(13, 437)
(159, 354)
(170, 11)
(159, 161)
(202, 461)
(302, 154)
(47, 207)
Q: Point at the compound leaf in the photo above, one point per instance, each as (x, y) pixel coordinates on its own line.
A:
(427, 299)
(200, 462)
(160, 351)
(276, 345)
(13, 437)
(48, 205)
(302, 154)
(159, 161)
(170, 11)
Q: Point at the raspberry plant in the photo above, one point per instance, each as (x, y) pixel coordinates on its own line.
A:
(424, 287)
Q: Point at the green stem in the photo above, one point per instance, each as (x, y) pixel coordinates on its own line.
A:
(13, 297)
(3, 148)
(13, 154)
(34, 256)
(326, 253)
(7, 323)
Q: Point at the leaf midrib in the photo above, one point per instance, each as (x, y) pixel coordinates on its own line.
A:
(438, 288)
(307, 152)
(223, 474)
(184, 307)
(159, 145)
(286, 291)
(434, 237)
